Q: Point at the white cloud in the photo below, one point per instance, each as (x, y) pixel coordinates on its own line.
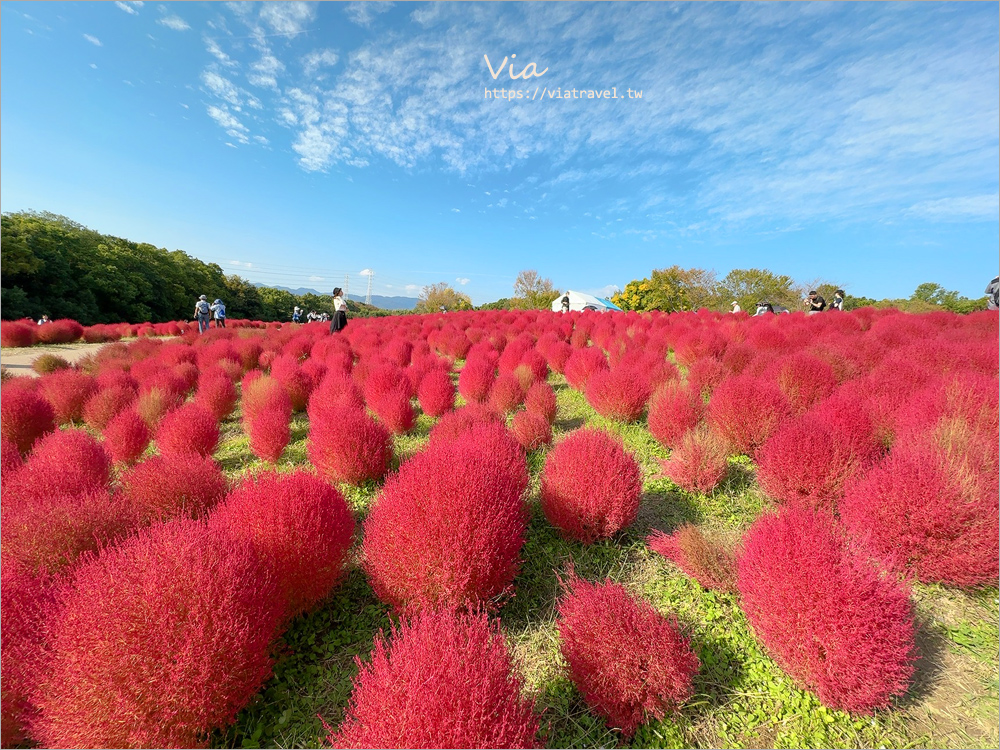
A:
(94, 66)
(222, 87)
(287, 18)
(412, 287)
(261, 140)
(174, 22)
(184, 105)
(93, 40)
(364, 13)
(317, 59)
(456, 210)
(241, 263)
(128, 8)
(316, 278)
(216, 51)
(233, 127)
(965, 208)
(462, 281)
(264, 72)
(366, 272)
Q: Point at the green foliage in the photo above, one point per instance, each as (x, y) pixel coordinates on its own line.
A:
(532, 292)
(752, 285)
(441, 296)
(501, 304)
(671, 289)
(937, 296)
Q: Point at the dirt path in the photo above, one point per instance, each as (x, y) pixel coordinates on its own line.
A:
(19, 360)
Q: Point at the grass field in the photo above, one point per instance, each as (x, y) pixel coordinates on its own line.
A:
(742, 699)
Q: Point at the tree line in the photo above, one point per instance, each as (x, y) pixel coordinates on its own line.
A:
(54, 266)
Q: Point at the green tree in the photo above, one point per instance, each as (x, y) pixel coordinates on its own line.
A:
(671, 289)
(753, 285)
(277, 303)
(532, 292)
(242, 299)
(437, 296)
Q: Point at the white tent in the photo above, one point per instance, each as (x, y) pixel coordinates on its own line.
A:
(582, 301)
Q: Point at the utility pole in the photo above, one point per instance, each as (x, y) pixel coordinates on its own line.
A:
(368, 297)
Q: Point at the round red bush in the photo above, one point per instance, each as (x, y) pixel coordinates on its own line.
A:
(631, 663)
(541, 400)
(126, 437)
(394, 410)
(619, 394)
(443, 680)
(67, 391)
(300, 525)
(448, 528)
(62, 331)
(349, 446)
(531, 430)
(10, 458)
(805, 379)
(175, 622)
(262, 392)
(269, 433)
(920, 513)
(745, 410)
(836, 625)
(475, 380)
(27, 604)
(66, 461)
(590, 486)
(674, 410)
(698, 463)
(436, 392)
(24, 417)
(711, 564)
(163, 488)
(189, 429)
(14, 333)
(506, 393)
(217, 394)
(454, 423)
(582, 364)
(101, 407)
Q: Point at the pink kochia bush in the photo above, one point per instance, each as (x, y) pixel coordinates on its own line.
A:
(448, 528)
(24, 417)
(541, 400)
(698, 463)
(126, 437)
(710, 563)
(531, 430)
(674, 410)
(347, 445)
(28, 603)
(808, 459)
(631, 663)
(162, 488)
(831, 621)
(161, 639)
(66, 461)
(921, 513)
(590, 486)
(299, 524)
(619, 394)
(745, 410)
(269, 432)
(444, 679)
(436, 392)
(67, 391)
(191, 429)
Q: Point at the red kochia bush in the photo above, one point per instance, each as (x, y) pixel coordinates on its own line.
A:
(443, 680)
(475, 379)
(126, 437)
(919, 512)
(62, 331)
(631, 663)
(454, 423)
(394, 410)
(448, 528)
(299, 524)
(263, 392)
(745, 410)
(582, 364)
(161, 640)
(14, 333)
(11, 458)
(674, 410)
(27, 605)
(99, 409)
(269, 433)
(349, 446)
(191, 429)
(829, 619)
(541, 400)
(698, 463)
(619, 394)
(506, 393)
(67, 461)
(709, 563)
(436, 392)
(808, 459)
(590, 486)
(67, 391)
(531, 430)
(805, 379)
(24, 417)
(162, 488)
(217, 394)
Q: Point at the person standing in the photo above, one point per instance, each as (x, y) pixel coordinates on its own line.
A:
(201, 313)
(815, 303)
(219, 313)
(838, 300)
(296, 314)
(565, 303)
(339, 321)
(993, 294)
(736, 307)
(43, 320)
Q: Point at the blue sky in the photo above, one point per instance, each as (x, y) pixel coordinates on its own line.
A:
(296, 143)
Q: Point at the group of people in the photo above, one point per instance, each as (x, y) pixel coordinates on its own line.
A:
(204, 313)
(814, 303)
(338, 321)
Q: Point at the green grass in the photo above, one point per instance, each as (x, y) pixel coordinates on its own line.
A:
(742, 699)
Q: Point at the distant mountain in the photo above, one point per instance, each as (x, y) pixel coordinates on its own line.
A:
(384, 303)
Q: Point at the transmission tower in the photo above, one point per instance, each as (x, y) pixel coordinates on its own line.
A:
(368, 297)
(347, 278)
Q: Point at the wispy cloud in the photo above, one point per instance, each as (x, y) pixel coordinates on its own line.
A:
(93, 40)
(462, 281)
(456, 210)
(364, 13)
(366, 272)
(965, 208)
(321, 58)
(288, 17)
(316, 278)
(132, 8)
(241, 264)
(174, 22)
